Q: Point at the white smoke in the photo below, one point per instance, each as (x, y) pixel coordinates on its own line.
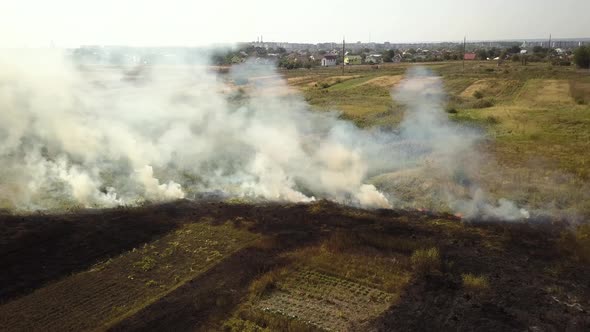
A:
(443, 155)
(97, 137)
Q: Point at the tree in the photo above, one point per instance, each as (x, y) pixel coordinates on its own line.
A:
(540, 50)
(514, 50)
(582, 57)
(482, 54)
(493, 52)
(388, 55)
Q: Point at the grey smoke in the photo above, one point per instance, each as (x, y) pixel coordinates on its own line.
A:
(98, 137)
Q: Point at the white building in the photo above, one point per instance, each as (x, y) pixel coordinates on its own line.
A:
(374, 58)
(329, 60)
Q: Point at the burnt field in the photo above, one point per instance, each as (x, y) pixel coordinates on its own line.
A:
(215, 266)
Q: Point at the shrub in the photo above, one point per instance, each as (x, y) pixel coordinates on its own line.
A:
(266, 283)
(561, 62)
(145, 264)
(451, 110)
(492, 120)
(478, 94)
(482, 103)
(582, 57)
(425, 261)
(151, 283)
(475, 284)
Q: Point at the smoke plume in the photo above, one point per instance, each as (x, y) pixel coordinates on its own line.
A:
(101, 137)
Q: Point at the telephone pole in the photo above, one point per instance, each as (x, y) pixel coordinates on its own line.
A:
(464, 42)
(343, 51)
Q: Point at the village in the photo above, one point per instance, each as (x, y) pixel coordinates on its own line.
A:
(296, 55)
(292, 56)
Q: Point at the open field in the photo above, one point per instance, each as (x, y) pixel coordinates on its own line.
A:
(537, 119)
(234, 266)
(321, 266)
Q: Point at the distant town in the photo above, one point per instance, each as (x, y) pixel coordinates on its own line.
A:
(307, 55)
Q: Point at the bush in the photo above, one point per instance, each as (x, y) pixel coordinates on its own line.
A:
(582, 57)
(482, 103)
(451, 110)
(492, 120)
(561, 62)
(426, 261)
(478, 94)
(266, 283)
(145, 264)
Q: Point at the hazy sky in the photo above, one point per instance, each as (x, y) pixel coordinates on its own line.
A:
(183, 22)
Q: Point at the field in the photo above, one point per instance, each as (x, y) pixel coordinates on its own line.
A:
(268, 267)
(536, 119)
(229, 265)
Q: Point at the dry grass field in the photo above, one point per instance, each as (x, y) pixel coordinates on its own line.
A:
(237, 266)
(536, 119)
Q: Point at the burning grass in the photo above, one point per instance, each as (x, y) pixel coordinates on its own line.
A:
(536, 118)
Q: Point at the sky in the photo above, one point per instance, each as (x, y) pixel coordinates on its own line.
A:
(27, 23)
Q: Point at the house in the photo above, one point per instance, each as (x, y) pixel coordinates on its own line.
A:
(469, 56)
(397, 58)
(353, 60)
(374, 59)
(329, 60)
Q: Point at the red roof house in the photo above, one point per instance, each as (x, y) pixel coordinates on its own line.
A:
(469, 56)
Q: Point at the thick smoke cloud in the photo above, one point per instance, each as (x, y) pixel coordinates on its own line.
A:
(99, 137)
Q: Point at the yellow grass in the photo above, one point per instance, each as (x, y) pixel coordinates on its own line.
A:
(426, 261)
(385, 81)
(488, 87)
(474, 283)
(545, 92)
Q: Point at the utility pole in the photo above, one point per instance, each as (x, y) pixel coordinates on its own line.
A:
(343, 50)
(464, 42)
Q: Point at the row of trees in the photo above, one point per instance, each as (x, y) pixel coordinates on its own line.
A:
(582, 57)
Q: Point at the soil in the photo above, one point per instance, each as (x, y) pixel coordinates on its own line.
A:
(534, 285)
